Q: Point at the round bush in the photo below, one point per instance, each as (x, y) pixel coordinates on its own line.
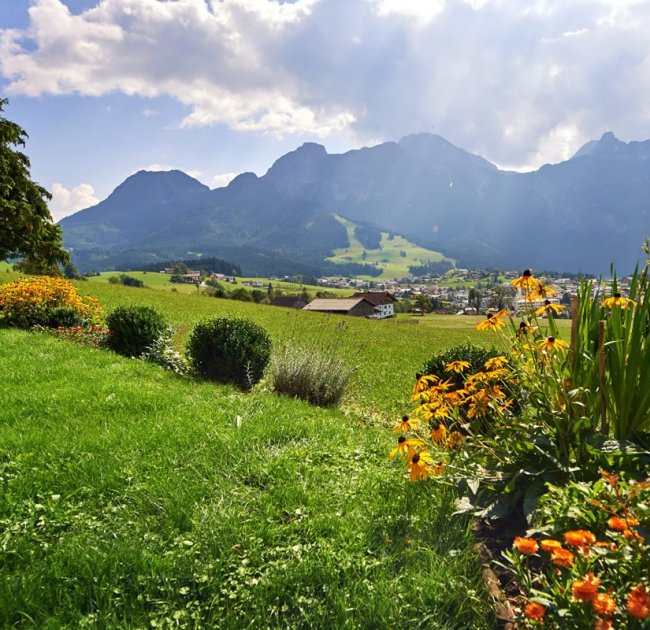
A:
(133, 329)
(230, 350)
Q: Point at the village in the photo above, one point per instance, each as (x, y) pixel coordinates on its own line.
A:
(457, 292)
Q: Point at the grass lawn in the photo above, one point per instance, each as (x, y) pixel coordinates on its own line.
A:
(134, 498)
(389, 257)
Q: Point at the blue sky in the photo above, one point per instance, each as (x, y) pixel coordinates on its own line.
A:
(218, 87)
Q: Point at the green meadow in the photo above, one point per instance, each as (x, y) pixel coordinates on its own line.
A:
(135, 498)
(394, 256)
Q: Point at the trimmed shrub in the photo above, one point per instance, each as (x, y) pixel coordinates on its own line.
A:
(320, 379)
(133, 329)
(474, 355)
(230, 350)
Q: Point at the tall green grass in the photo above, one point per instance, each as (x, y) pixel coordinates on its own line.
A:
(130, 497)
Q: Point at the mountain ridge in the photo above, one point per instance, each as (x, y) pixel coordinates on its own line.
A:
(578, 214)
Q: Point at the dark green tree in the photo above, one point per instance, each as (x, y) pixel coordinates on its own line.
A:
(474, 299)
(26, 227)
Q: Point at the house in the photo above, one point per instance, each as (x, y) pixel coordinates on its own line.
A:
(355, 306)
(382, 300)
(289, 301)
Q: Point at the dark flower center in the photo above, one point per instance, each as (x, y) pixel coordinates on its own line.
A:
(526, 273)
(551, 340)
(401, 439)
(405, 418)
(547, 302)
(617, 295)
(523, 325)
(416, 458)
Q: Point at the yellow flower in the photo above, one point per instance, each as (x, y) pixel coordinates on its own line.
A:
(456, 438)
(549, 309)
(618, 301)
(550, 545)
(457, 366)
(526, 282)
(551, 344)
(406, 447)
(420, 465)
(407, 424)
(562, 557)
(541, 292)
(493, 321)
(422, 384)
(495, 363)
(438, 433)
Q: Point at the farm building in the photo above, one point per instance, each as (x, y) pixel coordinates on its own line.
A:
(382, 300)
(289, 301)
(355, 306)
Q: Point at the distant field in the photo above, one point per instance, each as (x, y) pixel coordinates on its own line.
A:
(389, 257)
(157, 280)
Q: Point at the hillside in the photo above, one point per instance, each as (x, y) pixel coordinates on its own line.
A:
(578, 215)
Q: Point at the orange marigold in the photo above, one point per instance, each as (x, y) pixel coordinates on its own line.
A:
(638, 602)
(562, 558)
(550, 545)
(621, 524)
(585, 590)
(579, 538)
(535, 611)
(603, 624)
(604, 605)
(527, 546)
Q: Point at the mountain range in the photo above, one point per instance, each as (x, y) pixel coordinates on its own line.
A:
(578, 215)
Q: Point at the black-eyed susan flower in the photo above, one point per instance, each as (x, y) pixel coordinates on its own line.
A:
(422, 383)
(457, 366)
(496, 362)
(551, 344)
(618, 301)
(524, 329)
(438, 433)
(526, 282)
(407, 424)
(420, 465)
(406, 447)
(493, 321)
(455, 439)
(548, 308)
(541, 292)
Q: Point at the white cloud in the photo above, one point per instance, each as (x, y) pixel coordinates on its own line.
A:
(502, 78)
(67, 201)
(222, 179)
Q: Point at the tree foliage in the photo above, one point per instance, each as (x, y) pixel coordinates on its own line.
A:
(26, 227)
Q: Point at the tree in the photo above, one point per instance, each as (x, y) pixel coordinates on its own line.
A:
(474, 299)
(26, 227)
(423, 303)
(501, 297)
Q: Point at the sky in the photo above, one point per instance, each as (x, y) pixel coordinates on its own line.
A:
(105, 88)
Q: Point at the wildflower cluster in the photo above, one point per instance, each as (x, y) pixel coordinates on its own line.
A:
(94, 335)
(45, 301)
(588, 578)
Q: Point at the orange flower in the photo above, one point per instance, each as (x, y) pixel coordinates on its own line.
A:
(630, 534)
(550, 545)
(527, 546)
(603, 624)
(562, 558)
(438, 433)
(535, 611)
(621, 524)
(526, 282)
(604, 605)
(406, 447)
(456, 438)
(420, 466)
(585, 590)
(638, 602)
(579, 538)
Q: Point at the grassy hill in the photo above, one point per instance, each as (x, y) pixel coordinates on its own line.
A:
(132, 497)
(394, 256)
